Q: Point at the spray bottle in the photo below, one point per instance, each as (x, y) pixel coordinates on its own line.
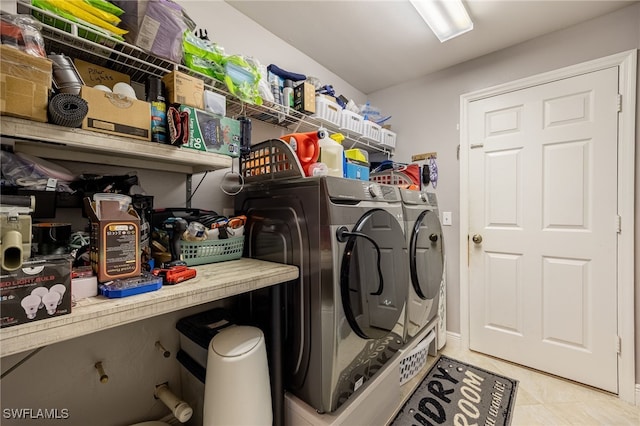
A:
(287, 95)
(155, 95)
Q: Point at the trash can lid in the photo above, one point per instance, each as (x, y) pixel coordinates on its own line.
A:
(236, 340)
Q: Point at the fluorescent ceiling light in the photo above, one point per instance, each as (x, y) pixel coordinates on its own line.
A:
(446, 18)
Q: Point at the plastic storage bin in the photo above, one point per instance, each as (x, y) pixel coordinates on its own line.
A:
(388, 138)
(351, 123)
(211, 251)
(372, 132)
(328, 111)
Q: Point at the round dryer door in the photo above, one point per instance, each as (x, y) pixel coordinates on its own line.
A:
(426, 258)
(373, 276)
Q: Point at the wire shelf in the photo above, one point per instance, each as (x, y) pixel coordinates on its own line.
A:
(81, 42)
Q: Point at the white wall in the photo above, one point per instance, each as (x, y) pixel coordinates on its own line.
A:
(426, 113)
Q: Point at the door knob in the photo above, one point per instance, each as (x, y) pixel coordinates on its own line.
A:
(477, 238)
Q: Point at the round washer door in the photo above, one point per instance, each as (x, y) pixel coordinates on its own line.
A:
(426, 258)
(373, 276)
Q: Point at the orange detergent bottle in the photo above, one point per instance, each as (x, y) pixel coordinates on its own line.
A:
(306, 147)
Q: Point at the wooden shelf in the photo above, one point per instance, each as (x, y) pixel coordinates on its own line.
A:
(64, 143)
(214, 282)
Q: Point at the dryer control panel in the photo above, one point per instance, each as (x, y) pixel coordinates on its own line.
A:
(357, 190)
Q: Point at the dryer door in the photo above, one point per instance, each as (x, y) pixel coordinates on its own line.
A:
(373, 276)
(426, 259)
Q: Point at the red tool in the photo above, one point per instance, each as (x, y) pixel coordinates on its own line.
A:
(174, 274)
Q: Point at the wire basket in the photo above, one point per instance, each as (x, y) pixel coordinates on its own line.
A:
(270, 160)
(212, 251)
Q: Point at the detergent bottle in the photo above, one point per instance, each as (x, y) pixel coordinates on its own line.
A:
(332, 154)
(306, 147)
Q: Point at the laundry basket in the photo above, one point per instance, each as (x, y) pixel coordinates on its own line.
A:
(272, 159)
(390, 177)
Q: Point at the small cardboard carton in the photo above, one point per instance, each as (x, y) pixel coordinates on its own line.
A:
(212, 133)
(116, 114)
(304, 98)
(40, 289)
(25, 81)
(184, 89)
(93, 74)
(115, 240)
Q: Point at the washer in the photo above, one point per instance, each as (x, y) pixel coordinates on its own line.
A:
(423, 233)
(344, 316)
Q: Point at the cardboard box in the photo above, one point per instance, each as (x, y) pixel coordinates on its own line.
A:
(25, 82)
(40, 289)
(115, 240)
(16, 63)
(117, 115)
(212, 133)
(95, 74)
(184, 89)
(356, 170)
(304, 98)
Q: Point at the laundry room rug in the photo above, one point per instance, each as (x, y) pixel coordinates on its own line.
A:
(454, 392)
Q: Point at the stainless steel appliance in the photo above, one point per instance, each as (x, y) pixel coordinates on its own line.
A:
(426, 258)
(344, 318)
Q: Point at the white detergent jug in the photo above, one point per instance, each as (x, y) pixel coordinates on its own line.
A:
(332, 154)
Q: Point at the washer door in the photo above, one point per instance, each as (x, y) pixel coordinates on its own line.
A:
(426, 259)
(373, 275)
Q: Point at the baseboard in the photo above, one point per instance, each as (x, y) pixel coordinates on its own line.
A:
(454, 340)
(638, 395)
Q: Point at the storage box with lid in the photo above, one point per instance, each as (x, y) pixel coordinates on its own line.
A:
(25, 82)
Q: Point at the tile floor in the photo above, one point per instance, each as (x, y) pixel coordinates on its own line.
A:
(547, 400)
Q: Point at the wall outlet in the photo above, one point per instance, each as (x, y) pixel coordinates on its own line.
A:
(446, 218)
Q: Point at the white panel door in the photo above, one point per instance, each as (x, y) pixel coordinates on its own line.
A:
(542, 185)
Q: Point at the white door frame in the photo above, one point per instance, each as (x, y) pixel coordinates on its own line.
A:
(627, 63)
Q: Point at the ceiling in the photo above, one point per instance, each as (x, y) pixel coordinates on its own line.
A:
(374, 44)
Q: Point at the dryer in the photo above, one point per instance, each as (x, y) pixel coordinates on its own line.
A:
(344, 316)
(423, 233)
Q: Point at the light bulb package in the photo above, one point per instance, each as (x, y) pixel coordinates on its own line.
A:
(38, 290)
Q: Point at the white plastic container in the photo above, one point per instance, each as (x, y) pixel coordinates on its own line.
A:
(332, 154)
(372, 132)
(388, 138)
(328, 111)
(351, 123)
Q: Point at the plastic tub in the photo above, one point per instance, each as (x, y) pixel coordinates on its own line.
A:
(351, 123)
(328, 111)
(372, 131)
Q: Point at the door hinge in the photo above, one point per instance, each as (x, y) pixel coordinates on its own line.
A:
(476, 145)
(618, 224)
(618, 344)
(619, 102)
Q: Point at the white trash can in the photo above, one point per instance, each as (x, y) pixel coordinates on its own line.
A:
(237, 390)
